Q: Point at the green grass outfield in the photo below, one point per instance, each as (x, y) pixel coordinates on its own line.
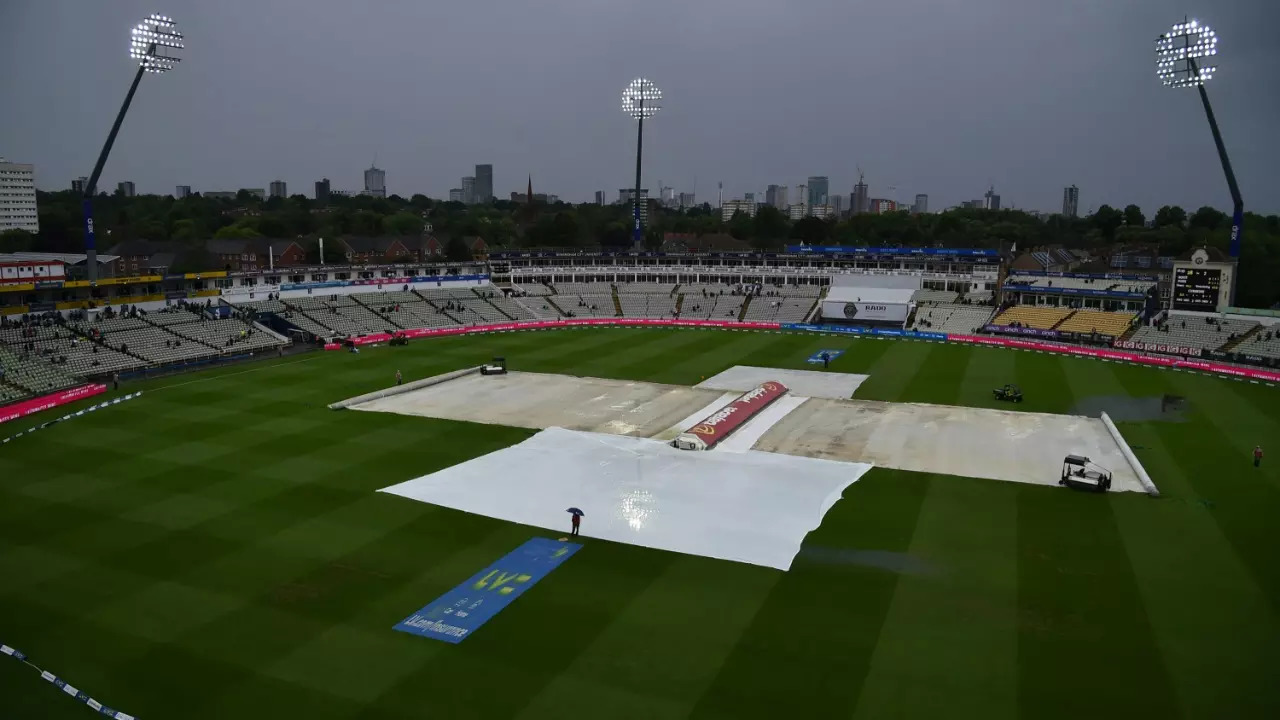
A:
(216, 549)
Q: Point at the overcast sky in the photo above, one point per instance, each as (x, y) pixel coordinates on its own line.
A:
(933, 96)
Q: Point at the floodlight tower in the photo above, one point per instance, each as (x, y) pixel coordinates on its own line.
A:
(641, 99)
(1178, 53)
(154, 44)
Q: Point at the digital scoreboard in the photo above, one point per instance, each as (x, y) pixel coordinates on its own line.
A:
(1196, 289)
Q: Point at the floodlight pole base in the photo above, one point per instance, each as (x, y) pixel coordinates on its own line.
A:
(90, 246)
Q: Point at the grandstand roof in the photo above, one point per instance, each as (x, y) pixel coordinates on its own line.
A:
(68, 258)
(870, 295)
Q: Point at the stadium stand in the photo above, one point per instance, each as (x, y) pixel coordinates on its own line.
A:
(650, 305)
(1114, 324)
(1264, 343)
(1043, 318)
(1194, 331)
(1082, 283)
(950, 317)
(33, 376)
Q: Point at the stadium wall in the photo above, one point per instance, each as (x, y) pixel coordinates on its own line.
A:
(32, 406)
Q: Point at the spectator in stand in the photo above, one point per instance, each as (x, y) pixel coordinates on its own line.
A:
(1257, 455)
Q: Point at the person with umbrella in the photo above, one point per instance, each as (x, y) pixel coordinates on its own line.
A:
(577, 519)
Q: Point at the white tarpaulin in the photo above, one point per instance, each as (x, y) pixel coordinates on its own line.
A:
(750, 507)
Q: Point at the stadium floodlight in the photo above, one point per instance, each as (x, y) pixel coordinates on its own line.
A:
(640, 99)
(154, 43)
(1181, 55)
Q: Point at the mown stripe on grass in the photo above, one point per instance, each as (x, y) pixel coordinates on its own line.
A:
(527, 646)
(896, 367)
(660, 653)
(949, 643)
(809, 647)
(1217, 638)
(1085, 647)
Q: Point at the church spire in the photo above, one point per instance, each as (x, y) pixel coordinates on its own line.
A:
(528, 194)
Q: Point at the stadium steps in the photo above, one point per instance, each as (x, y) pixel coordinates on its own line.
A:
(742, 314)
(374, 309)
(444, 312)
(552, 288)
(617, 304)
(175, 335)
(1059, 323)
(1233, 344)
(675, 291)
(813, 309)
(551, 301)
(490, 304)
(679, 304)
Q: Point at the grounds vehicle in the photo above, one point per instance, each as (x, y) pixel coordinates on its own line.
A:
(1008, 393)
(497, 367)
(1079, 473)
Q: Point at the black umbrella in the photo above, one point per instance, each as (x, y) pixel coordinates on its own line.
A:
(575, 511)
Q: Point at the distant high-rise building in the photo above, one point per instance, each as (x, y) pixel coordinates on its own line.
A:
(749, 197)
(278, 189)
(880, 206)
(322, 190)
(861, 201)
(125, 188)
(256, 192)
(455, 194)
(732, 207)
(776, 196)
(77, 185)
(921, 205)
(687, 201)
(469, 190)
(182, 191)
(818, 190)
(991, 201)
(823, 211)
(837, 204)
(600, 198)
(18, 197)
(1071, 201)
(484, 185)
(375, 182)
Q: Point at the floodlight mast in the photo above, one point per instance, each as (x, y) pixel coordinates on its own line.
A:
(152, 45)
(640, 100)
(1177, 66)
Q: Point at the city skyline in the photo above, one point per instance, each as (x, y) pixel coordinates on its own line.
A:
(1012, 128)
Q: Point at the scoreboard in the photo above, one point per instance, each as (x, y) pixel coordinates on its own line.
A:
(1196, 289)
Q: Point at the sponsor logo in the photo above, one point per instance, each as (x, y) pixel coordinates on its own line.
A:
(875, 308)
(703, 430)
(850, 310)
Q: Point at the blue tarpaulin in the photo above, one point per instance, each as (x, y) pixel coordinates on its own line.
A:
(461, 611)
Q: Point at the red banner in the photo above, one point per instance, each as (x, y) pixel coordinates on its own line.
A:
(548, 324)
(1201, 365)
(44, 402)
(732, 416)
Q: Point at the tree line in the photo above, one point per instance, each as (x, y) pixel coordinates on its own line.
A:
(189, 221)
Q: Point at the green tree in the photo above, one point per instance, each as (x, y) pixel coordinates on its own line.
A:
(1170, 215)
(811, 230)
(1133, 216)
(1105, 220)
(741, 225)
(456, 250)
(771, 226)
(16, 240)
(237, 232)
(403, 223)
(1207, 218)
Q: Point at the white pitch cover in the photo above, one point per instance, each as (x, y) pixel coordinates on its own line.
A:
(750, 507)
